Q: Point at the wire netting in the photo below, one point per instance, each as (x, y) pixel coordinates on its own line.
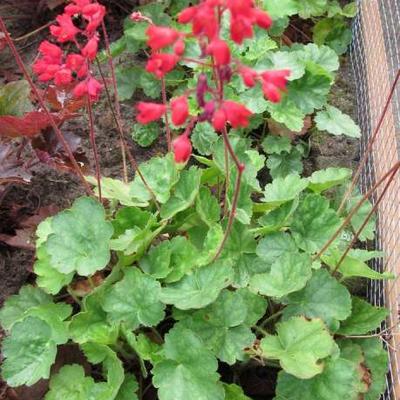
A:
(375, 57)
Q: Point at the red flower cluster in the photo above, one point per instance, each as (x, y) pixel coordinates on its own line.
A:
(205, 19)
(273, 82)
(244, 15)
(52, 65)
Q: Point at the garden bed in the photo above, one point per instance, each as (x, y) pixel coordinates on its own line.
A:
(138, 338)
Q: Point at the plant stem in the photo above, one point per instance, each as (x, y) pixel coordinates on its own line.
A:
(116, 98)
(371, 142)
(260, 330)
(131, 158)
(53, 123)
(94, 145)
(167, 127)
(354, 210)
(372, 212)
(240, 168)
(270, 318)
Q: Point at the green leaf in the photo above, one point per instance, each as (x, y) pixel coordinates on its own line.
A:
(203, 138)
(334, 32)
(14, 98)
(254, 100)
(157, 262)
(327, 178)
(351, 266)
(128, 388)
(200, 288)
(276, 219)
(221, 327)
(184, 193)
(145, 135)
(87, 234)
(280, 8)
(288, 113)
(134, 300)
(311, 91)
(160, 174)
(338, 381)
(358, 219)
(16, 306)
(334, 121)
(314, 223)
(376, 360)
(127, 80)
(115, 189)
(150, 84)
(275, 245)
(144, 347)
(282, 60)
(311, 8)
(207, 207)
(234, 392)
(283, 189)
(48, 278)
(323, 297)
(289, 273)
(71, 383)
(276, 144)
(96, 354)
(29, 352)
(299, 345)
(363, 319)
(281, 165)
(189, 371)
(91, 325)
(321, 55)
(183, 258)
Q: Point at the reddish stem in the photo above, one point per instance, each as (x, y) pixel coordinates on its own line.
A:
(370, 214)
(240, 169)
(371, 142)
(116, 99)
(167, 127)
(94, 145)
(354, 210)
(53, 123)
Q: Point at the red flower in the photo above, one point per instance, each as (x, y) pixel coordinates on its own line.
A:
(263, 20)
(63, 77)
(249, 76)
(80, 89)
(271, 92)
(241, 28)
(273, 83)
(65, 30)
(90, 50)
(182, 148)
(149, 112)
(45, 71)
(160, 37)
(205, 21)
(94, 14)
(219, 120)
(160, 64)
(219, 49)
(237, 114)
(277, 78)
(179, 47)
(187, 15)
(52, 51)
(94, 88)
(180, 110)
(78, 64)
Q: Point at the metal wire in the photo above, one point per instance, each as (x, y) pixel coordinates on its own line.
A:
(375, 57)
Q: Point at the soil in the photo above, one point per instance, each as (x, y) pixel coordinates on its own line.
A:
(50, 187)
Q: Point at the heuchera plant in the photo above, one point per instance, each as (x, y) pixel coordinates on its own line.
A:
(186, 269)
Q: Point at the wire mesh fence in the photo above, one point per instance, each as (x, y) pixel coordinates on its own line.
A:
(375, 57)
